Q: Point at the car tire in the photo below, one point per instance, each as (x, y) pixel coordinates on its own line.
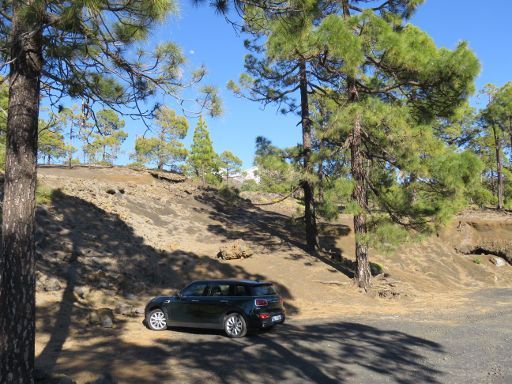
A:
(235, 325)
(156, 320)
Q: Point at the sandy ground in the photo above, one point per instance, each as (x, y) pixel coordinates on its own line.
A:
(123, 236)
(468, 346)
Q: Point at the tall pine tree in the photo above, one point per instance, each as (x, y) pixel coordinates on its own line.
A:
(63, 48)
(203, 159)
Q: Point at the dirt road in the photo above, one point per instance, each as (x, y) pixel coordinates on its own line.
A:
(472, 345)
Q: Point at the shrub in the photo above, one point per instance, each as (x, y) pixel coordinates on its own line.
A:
(229, 193)
(44, 195)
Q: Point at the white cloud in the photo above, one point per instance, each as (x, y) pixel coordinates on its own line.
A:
(191, 51)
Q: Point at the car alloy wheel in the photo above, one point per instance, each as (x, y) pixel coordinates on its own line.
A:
(157, 321)
(234, 325)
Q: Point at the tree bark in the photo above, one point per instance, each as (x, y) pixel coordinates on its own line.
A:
(17, 264)
(70, 155)
(359, 194)
(309, 200)
(499, 168)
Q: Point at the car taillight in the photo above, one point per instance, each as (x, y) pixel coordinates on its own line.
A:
(264, 316)
(261, 302)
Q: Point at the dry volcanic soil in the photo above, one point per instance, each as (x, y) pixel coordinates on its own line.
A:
(109, 239)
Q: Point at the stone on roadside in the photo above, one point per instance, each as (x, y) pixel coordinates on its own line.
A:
(498, 261)
(102, 316)
(124, 309)
(237, 249)
(51, 285)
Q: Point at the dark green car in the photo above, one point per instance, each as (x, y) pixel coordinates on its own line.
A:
(235, 306)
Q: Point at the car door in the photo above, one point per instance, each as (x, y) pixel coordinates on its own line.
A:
(185, 310)
(216, 303)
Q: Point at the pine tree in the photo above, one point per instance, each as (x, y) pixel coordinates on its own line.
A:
(166, 149)
(109, 137)
(51, 143)
(276, 172)
(496, 121)
(287, 80)
(203, 159)
(395, 83)
(230, 164)
(76, 48)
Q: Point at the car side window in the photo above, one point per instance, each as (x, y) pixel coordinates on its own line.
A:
(240, 290)
(194, 290)
(219, 290)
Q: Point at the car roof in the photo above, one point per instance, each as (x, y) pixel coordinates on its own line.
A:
(232, 281)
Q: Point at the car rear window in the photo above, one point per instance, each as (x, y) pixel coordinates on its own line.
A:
(241, 290)
(263, 290)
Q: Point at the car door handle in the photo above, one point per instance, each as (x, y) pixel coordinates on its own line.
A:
(223, 301)
(195, 301)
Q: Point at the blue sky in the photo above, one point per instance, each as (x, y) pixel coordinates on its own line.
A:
(206, 38)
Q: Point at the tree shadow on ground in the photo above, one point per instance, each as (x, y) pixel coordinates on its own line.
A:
(240, 219)
(89, 250)
(333, 352)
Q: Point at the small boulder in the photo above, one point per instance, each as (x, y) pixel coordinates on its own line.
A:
(50, 285)
(498, 261)
(102, 316)
(124, 309)
(81, 292)
(238, 249)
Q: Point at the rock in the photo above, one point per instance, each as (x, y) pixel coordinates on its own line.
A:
(81, 292)
(102, 316)
(50, 285)
(376, 269)
(498, 261)
(111, 191)
(124, 309)
(131, 296)
(238, 249)
(138, 311)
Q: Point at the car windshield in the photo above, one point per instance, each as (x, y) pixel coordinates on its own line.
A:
(263, 290)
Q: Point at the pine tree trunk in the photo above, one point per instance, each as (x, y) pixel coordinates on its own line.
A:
(362, 275)
(17, 264)
(499, 168)
(309, 201)
(70, 155)
(510, 131)
(359, 195)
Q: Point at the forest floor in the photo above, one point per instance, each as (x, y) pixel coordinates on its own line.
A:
(115, 235)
